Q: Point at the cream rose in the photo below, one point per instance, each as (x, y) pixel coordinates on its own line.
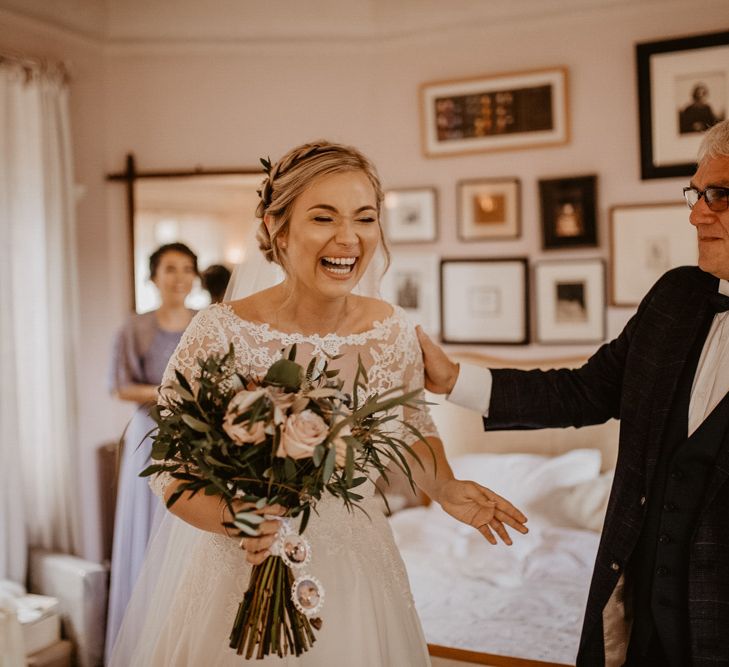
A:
(244, 433)
(300, 434)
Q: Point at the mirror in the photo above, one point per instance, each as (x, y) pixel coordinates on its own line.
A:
(213, 215)
(210, 210)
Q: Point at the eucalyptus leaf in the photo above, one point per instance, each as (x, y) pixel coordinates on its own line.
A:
(329, 464)
(195, 424)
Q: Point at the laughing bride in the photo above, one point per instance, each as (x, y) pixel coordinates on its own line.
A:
(320, 222)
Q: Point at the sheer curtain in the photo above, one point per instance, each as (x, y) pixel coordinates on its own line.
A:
(38, 315)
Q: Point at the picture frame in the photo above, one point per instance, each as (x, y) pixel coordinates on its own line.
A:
(568, 211)
(570, 301)
(508, 111)
(646, 240)
(410, 215)
(484, 301)
(683, 87)
(412, 283)
(489, 209)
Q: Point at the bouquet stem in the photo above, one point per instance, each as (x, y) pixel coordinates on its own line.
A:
(267, 621)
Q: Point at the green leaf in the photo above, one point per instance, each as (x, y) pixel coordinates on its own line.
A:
(305, 518)
(318, 455)
(329, 464)
(285, 373)
(195, 424)
(289, 468)
(292, 353)
(181, 391)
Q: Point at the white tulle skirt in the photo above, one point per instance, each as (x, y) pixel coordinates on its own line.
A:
(183, 607)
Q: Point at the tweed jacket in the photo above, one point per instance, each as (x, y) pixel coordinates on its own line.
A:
(634, 379)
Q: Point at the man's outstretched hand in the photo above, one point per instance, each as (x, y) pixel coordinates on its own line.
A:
(440, 372)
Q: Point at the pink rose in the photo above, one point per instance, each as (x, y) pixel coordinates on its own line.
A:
(244, 433)
(282, 401)
(243, 400)
(300, 434)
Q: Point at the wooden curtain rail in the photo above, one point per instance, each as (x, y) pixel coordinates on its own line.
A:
(33, 65)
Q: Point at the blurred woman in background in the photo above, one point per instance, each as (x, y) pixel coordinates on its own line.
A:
(141, 351)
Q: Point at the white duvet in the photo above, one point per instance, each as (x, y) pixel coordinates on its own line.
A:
(524, 601)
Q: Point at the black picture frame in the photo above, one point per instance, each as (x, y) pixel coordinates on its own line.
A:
(568, 212)
(664, 150)
(482, 301)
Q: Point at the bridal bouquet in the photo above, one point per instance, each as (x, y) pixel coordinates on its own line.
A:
(286, 439)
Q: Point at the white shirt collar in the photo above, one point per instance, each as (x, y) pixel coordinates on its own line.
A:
(724, 287)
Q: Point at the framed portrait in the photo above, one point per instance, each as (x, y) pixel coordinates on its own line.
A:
(683, 89)
(646, 240)
(410, 215)
(489, 209)
(568, 212)
(412, 283)
(495, 112)
(570, 301)
(484, 301)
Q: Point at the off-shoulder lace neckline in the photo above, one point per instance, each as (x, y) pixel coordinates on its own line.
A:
(377, 330)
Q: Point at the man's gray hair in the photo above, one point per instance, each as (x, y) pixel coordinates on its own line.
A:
(715, 142)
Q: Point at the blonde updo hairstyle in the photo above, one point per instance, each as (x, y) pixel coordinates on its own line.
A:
(291, 175)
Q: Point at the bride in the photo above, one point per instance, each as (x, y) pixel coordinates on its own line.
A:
(319, 210)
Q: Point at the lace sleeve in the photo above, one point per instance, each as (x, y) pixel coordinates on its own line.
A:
(203, 336)
(414, 378)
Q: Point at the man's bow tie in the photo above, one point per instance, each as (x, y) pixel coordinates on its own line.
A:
(719, 302)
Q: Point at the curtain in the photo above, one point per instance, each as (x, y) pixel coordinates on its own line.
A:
(38, 306)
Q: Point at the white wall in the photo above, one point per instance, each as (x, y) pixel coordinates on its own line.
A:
(181, 104)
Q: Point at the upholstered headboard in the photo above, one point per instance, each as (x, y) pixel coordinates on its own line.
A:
(462, 430)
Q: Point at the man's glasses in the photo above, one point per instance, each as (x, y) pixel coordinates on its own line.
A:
(717, 199)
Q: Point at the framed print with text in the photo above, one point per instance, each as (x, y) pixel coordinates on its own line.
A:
(495, 112)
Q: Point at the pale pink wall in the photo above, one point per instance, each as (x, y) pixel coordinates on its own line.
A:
(226, 105)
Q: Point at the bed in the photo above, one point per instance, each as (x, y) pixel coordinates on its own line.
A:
(520, 606)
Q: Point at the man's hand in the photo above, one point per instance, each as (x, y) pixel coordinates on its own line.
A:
(481, 508)
(440, 372)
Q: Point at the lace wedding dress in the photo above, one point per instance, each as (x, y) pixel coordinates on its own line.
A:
(186, 601)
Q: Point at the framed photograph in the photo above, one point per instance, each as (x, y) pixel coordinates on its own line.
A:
(410, 215)
(489, 209)
(484, 301)
(495, 112)
(569, 212)
(570, 301)
(683, 89)
(412, 283)
(646, 240)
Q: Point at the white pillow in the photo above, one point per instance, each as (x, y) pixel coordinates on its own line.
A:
(581, 505)
(521, 478)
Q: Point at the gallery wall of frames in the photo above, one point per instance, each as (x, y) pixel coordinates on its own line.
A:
(481, 299)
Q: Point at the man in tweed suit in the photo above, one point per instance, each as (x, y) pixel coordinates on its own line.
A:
(660, 588)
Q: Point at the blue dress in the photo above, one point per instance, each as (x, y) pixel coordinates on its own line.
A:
(140, 355)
